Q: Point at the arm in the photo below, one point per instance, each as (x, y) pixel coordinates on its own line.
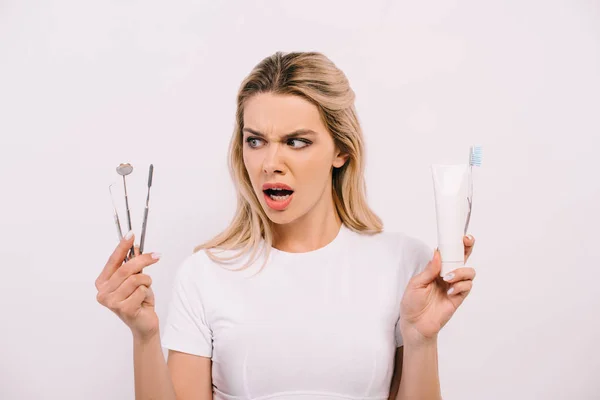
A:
(188, 336)
(191, 375)
(396, 377)
(414, 385)
(182, 377)
(419, 371)
(152, 380)
(425, 308)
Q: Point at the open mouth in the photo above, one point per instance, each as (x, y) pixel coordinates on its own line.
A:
(278, 194)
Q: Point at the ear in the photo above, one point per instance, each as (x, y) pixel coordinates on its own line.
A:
(340, 159)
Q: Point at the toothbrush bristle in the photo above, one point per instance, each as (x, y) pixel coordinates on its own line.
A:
(476, 156)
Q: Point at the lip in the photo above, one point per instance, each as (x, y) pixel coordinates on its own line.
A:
(278, 205)
(276, 185)
(273, 204)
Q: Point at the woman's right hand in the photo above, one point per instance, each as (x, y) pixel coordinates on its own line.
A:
(123, 289)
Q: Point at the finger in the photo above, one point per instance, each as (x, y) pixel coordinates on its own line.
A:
(460, 288)
(131, 267)
(116, 259)
(149, 297)
(130, 285)
(431, 271)
(460, 274)
(134, 253)
(469, 242)
(132, 305)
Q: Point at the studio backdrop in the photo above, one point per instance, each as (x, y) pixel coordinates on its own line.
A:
(85, 86)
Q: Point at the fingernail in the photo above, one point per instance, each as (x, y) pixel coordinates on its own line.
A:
(156, 256)
(451, 290)
(449, 276)
(129, 235)
(470, 237)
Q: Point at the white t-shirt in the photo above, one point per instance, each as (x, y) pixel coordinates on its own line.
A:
(316, 325)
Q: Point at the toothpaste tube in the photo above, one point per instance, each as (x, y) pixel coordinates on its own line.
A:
(450, 184)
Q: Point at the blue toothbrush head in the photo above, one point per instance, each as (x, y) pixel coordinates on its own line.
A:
(475, 156)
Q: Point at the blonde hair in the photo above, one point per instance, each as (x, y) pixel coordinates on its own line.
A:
(315, 78)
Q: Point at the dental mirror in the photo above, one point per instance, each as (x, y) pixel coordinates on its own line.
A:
(124, 170)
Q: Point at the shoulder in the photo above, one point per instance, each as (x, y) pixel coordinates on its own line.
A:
(406, 251)
(216, 264)
(414, 250)
(197, 276)
(189, 271)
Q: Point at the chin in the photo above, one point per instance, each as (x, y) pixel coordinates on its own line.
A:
(279, 217)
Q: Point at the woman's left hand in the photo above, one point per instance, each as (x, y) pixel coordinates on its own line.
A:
(429, 300)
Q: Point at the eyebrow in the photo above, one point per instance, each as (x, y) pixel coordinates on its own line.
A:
(287, 136)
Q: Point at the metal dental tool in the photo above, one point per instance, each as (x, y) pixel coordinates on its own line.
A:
(124, 170)
(117, 222)
(150, 173)
(116, 214)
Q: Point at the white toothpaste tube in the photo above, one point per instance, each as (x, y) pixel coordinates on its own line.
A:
(450, 184)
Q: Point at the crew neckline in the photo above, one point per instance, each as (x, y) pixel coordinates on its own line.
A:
(332, 245)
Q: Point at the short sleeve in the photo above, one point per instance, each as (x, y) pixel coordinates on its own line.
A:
(186, 329)
(416, 256)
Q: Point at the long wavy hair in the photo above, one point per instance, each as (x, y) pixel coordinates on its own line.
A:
(316, 79)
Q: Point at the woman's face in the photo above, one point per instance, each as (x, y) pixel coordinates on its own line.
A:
(289, 155)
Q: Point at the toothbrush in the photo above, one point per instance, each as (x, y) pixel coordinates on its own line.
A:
(475, 156)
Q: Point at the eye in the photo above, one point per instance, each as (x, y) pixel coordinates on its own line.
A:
(254, 142)
(298, 143)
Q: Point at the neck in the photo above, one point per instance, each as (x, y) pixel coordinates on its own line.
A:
(314, 230)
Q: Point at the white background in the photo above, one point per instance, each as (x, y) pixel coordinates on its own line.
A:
(86, 85)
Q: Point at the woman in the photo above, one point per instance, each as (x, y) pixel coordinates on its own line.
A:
(302, 296)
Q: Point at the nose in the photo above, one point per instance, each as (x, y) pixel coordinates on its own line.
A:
(273, 162)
